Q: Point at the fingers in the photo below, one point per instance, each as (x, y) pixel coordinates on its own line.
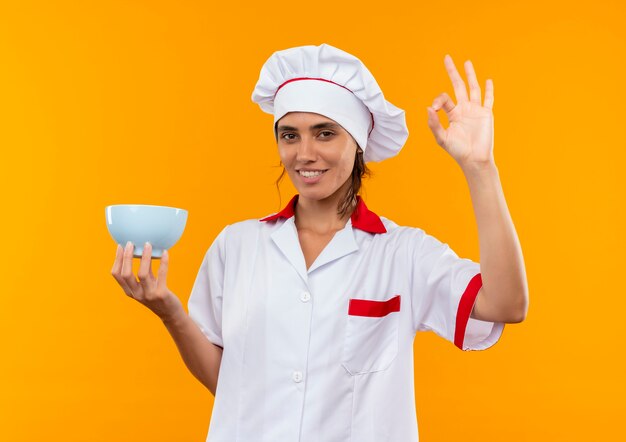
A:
(127, 269)
(473, 83)
(116, 271)
(443, 101)
(459, 87)
(435, 126)
(489, 94)
(117, 265)
(457, 81)
(146, 278)
(162, 274)
(147, 285)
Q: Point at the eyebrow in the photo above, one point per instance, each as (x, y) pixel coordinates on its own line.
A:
(314, 127)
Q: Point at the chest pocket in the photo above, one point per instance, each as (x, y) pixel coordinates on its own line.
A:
(371, 335)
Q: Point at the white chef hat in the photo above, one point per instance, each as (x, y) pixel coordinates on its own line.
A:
(328, 81)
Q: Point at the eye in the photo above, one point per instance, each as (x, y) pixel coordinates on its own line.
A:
(286, 135)
(327, 134)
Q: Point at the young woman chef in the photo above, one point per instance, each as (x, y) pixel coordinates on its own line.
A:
(309, 314)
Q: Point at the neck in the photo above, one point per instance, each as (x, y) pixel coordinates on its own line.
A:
(320, 216)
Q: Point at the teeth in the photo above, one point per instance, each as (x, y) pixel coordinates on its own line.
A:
(310, 174)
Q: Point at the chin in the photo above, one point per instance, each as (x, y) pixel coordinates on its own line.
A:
(312, 194)
(317, 194)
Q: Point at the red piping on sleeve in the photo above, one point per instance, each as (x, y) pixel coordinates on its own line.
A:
(465, 309)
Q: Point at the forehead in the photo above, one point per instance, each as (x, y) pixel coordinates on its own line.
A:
(303, 118)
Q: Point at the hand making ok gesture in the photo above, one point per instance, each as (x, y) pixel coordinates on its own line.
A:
(469, 137)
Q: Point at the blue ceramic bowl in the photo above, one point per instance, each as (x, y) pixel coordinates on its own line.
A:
(161, 226)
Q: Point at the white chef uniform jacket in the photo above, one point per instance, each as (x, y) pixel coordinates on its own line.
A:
(326, 354)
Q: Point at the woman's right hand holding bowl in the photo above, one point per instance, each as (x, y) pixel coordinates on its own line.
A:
(148, 290)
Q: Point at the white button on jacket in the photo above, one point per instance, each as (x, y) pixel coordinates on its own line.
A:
(342, 330)
(297, 376)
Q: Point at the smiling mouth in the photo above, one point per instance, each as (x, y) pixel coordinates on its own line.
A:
(311, 174)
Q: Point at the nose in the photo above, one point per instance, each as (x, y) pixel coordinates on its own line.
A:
(306, 149)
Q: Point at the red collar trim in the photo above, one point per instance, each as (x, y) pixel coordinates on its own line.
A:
(362, 218)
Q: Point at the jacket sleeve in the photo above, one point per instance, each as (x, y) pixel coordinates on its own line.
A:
(205, 301)
(444, 290)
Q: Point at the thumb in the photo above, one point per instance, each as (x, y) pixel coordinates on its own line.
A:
(435, 126)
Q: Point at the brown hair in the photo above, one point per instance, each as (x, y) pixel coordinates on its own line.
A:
(359, 170)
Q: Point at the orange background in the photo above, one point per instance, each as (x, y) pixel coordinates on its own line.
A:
(148, 102)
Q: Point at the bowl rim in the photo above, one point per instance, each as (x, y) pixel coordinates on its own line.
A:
(143, 205)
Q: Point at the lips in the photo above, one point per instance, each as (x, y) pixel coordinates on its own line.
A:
(311, 173)
(311, 177)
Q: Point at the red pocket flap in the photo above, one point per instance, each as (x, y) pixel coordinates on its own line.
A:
(376, 309)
